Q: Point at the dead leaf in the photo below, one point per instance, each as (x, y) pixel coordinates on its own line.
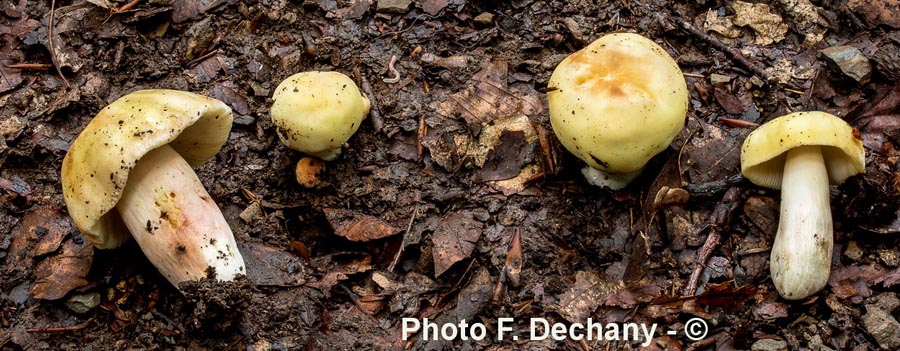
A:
(877, 12)
(40, 232)
(728, 101)
(720, 24)
(339, 269)
(487, 97)
(471, 301)
(432, 7)
(192, 9)
(506, 159)
(271, 266)
(9, 77)
(454, 239)
(588, 293)
(767, 25)
(227, 93)
(58, 274)
(855, 280)
(358, 227)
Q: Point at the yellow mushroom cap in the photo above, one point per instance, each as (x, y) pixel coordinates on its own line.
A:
(96, 167)
(617, 102)
(317, 112)
(764, 150)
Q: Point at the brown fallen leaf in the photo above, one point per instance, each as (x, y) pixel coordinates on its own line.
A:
(855, 281)
(358, 227)
(340, 269)
(270, 266)
(588, 293)
(60, 273)
(766, 24)
(192, 9)
(454, 239)
(877, 12)
(488, 97)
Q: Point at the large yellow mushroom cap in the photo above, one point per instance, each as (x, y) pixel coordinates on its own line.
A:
(617, 102)
(96, 167)
(764, 150)
(317, 112)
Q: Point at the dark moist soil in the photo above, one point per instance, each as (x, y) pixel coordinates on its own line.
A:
(417, 218)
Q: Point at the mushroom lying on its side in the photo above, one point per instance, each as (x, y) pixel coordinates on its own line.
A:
(615, 104)
(130, 171)
(801, 153)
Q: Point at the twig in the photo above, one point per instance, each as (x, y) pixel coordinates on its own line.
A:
(374, 115)
(30, 66)
(715, 187)
(734, 54)
(53, 46)
(412, 219)
(202, 58)
(421, 132)
(720, 218)
(60, 330)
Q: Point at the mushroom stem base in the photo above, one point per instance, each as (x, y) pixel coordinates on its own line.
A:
(175, 221)
(801, 254)
(614, 181)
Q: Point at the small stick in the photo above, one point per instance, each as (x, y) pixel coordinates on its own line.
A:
(394, 72)
(202, 58)
(126, 7)
(738, 123)
(720, 218)
(60, 330)
(374, 115)
(731, 52)
(31, 66)
(714, 187)
(53, 47)
(420, 134)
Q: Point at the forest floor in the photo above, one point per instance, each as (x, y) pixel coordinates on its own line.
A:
(454, 200)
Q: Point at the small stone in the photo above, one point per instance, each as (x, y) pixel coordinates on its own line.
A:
(849, 61)
(769, 345)
(573, 28)
(244, 120)
(250, 213)
(393, 6)
(484, 19)
(889, 257)
(82, 303)
(716, 79)
(853, 251)
(816, 344)
(883, 327)
(887, 301)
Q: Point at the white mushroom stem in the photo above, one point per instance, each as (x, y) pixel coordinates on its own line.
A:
(175, 222)
(613, 181)
(801, 255)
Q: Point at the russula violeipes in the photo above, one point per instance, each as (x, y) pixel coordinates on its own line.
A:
(129, 171)
(615, 104)
(317, 112)
(801, 153)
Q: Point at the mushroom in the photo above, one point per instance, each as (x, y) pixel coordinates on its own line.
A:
(317, 112)
(129, 171)
(615, 104)
(801, 153)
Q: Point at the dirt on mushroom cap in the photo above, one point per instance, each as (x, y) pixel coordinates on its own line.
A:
(95, 169)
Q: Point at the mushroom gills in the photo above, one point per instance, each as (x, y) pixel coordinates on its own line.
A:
(175, 221)
(801, 254)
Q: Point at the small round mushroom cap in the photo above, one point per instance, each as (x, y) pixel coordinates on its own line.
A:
(317, 112)
(617, 102)
(95, 169)
(764, 150)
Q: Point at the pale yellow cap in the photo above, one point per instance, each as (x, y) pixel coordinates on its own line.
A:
(95, 169)
(617, 102)
(764, 150)
(317, 112)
